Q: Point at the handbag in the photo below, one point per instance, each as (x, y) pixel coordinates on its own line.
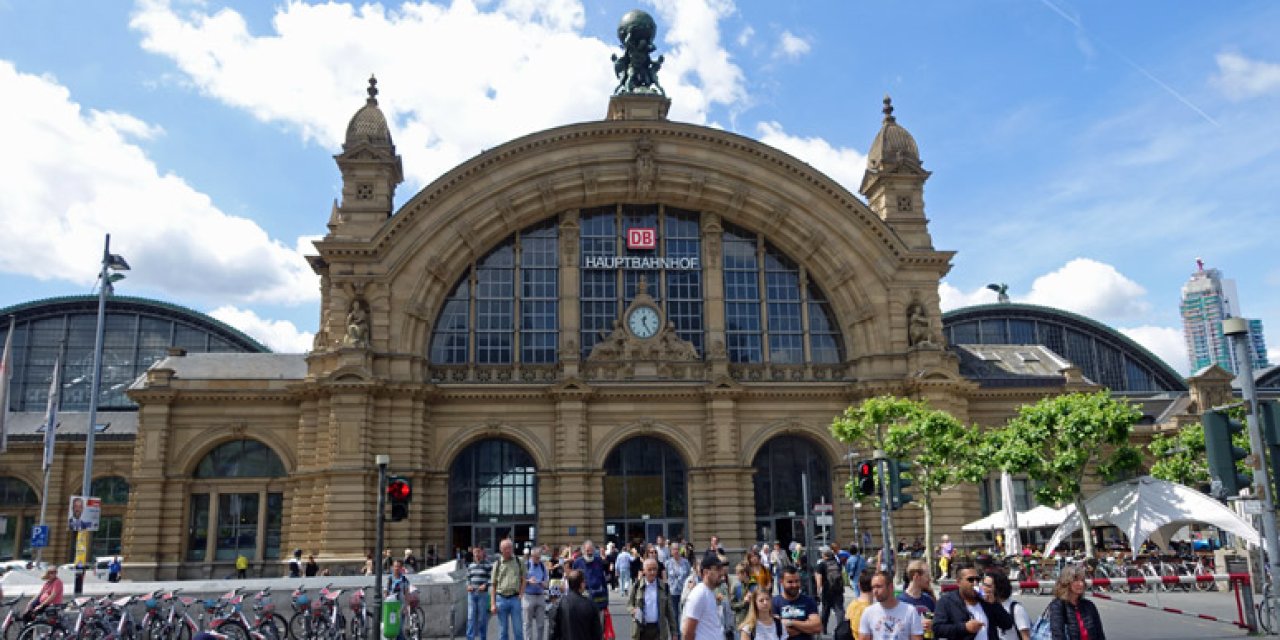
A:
(1040, 629)
(608, 626)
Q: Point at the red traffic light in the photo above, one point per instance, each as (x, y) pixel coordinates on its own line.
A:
(399, 490)
(864, 469)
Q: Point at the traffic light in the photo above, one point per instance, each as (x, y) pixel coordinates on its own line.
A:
(897, 483)
(1222, 455)
(867, 478)
(399, 492)
(1269, 416)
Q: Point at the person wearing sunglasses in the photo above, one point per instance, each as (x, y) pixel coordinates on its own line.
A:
(968, 613)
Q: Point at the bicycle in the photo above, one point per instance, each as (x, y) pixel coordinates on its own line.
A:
(266, 621)
(46, 624)
(1264, 607)
(361, 619)
(12, 624)
(226, 616)
(415, 620)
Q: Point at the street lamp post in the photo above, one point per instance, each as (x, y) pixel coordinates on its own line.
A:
(375, 629)
(110, 262)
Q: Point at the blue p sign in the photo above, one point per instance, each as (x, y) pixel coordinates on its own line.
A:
(40, 536)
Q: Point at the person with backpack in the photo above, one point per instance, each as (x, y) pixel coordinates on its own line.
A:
(998, 583)
(829, 579)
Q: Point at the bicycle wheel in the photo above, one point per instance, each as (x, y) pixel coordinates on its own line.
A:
(338, 628)
(233, 630)
(356, 629)
(417, 621)
(300, 626)
(272, 629)
(36, 631)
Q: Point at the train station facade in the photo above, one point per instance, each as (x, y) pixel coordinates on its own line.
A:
(610, 330)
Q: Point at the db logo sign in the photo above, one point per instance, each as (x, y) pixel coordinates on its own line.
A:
(642, 238)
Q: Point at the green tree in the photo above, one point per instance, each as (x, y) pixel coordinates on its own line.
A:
(942, 451)
(1055, 440)
(1180, 456)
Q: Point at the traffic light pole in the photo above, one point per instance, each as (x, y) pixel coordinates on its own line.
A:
(886, 526)
(1238, 330)
(375, 629)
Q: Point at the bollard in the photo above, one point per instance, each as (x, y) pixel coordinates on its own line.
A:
(1245, 595)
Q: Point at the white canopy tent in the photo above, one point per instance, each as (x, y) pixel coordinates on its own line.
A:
(1149, 508)
(1041, 516)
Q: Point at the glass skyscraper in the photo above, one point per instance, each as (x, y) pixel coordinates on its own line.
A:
(1208, 299)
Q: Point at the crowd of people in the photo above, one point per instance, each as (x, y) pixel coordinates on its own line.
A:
(672, 592)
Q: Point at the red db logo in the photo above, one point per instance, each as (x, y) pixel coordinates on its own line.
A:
(642, 238)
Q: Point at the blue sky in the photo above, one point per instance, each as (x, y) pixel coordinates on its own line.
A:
(1085, 153)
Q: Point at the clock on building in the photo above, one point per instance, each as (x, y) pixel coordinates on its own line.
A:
(644, 321)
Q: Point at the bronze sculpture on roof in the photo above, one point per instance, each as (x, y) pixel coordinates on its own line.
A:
(636, 71)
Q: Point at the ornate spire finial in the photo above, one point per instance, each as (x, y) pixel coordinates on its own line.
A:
(888, 108)
(373, 90)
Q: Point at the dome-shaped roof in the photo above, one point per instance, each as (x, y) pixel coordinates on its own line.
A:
(893, 144)
(368, 125)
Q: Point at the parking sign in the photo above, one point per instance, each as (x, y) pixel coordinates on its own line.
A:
(40, 536)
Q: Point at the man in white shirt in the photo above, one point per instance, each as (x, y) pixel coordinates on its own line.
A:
(889, 619)
(701, 619)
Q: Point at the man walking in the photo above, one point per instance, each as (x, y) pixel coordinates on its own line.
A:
(677, 573)
(919, 592)
(830, 583)
(507, 591)
(799, 612)
(703, 616)
(650, 606)
(592, 567)
(853, 567)
(479, 573)
(963, 614)
(535, 595)
(888, 619)
(623, 565)
(576, 617)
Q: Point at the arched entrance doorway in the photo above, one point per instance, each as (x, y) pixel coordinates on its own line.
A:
(779, 467)
(645, 493)
(493, 494)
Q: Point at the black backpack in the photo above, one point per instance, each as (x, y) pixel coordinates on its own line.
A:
(832, 576)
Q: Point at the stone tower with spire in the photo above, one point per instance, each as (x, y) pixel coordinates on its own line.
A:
(894, 181)
(371, 170)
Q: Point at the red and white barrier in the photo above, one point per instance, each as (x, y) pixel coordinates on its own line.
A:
(1241, 579)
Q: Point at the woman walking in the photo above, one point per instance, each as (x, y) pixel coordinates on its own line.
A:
(1071, 616)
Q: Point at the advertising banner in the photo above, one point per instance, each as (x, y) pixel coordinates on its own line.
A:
(83, 513)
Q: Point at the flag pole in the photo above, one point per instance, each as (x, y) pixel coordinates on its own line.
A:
(50, 437)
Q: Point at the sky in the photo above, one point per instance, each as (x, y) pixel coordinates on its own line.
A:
(1085, 153)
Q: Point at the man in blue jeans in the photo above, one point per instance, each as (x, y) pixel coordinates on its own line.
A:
(479, 573)
(508, 589)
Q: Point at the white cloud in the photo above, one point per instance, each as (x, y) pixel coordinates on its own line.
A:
(954, 298)
(78, 176)
(1241, 78)
(1166, 342)
(454, 79)
(280, 336)
(791, 46)
(745, 36)
(1090, 288)
(842, 164)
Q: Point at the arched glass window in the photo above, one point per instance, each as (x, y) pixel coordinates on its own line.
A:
(493, 494)
(768, 311)
(645, 491)
(509, 297)
(241, 459)
(235, 507)
(112, 490)
(611, 270)
(779, 466)
(19, 505)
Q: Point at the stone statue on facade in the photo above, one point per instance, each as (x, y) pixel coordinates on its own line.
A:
(357, 326)
(636, 71)
(919, 329)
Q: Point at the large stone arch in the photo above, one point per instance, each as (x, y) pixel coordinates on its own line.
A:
(819, 435)
(209, 440)
(849, 252)
(527, 440)
(673, 436)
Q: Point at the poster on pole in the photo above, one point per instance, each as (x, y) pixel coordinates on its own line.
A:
(83, 513)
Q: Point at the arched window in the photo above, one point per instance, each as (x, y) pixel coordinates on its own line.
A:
(493, 494)
(769, 306)
(113, 491)
(241, 459)
(506, 308)
(645, 493)
(236, 505)
(779, 467)
(20, 507)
